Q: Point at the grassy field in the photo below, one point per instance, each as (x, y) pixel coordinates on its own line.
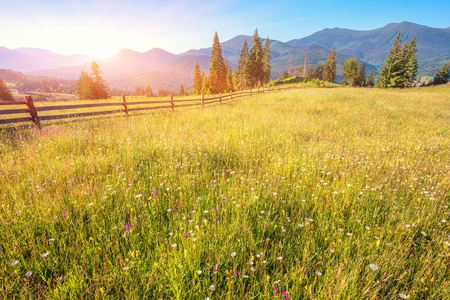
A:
(318, 193)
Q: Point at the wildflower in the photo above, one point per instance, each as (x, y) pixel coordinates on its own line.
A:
(45, 254)
(180, 266)
(245, 276)
(403, 296)
(126, 268)
(90, 204)
(373, 267)
(199, 272)
(340, 229)
(424, 234)
(28, 274)
(279, 258)
(212, 288)
(138, 196)
(367, 228)
(332, 250)
(264, 262)
(233, 254)
(205, 212)
(349, 234)
(318, 273)
(252, 269)
(174, 245)
(51, 240)
(14, 263)
(446, 244)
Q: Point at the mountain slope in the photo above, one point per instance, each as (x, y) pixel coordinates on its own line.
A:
(373, 46)
(32, 59)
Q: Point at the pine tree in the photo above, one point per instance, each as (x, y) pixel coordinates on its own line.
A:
(255, 63)
(300, 71)
(182, 91)
(400, 68)
(267, 61)
(217, 71)
(329, 74)
(229, 87)
(412, 67)
(240, 75)
(99, 85)
(197, 85)
(85, 84)
(318, 73)
(205, 85)
(5, 93)
(148, 91)
(361, 74)
(442, 75)
(311, 72)
(370, 80)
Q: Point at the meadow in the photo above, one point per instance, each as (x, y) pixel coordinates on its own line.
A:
(314, 193)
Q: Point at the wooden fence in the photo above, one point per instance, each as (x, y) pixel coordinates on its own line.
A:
(125, 107)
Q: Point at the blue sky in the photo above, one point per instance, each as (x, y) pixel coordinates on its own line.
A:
(104, 27)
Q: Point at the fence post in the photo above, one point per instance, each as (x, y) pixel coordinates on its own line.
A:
(203, 101)
(124, 102)
(32, 110)
(220, 98)
(231, 95)
(171, 103)
(250, 92)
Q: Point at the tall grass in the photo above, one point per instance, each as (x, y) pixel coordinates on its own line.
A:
(303, 194)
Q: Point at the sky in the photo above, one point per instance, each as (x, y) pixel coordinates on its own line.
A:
(101, 28)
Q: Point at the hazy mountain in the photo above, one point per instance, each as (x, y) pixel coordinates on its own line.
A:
(373, 46)
(124, 64)
(31, 59)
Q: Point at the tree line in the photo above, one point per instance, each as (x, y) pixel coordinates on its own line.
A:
(253, 69)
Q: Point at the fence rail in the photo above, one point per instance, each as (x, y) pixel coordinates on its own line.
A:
(125, 107)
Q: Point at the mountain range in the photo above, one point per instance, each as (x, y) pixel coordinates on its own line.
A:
(163, 70)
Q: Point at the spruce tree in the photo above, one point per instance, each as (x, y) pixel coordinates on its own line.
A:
(197, 84)
(217, 71)
(370, 79)
(318, 73)
(361, 74)
(255, 64)
(182, 90)
(267, 61)
(148, 91)
(329, 74)
(99, 85)
(229, 87)
(241, 75)
(412, 67)
(205, 89)
(5, 93)
(85, 84)
(442, 75)
(311, 72)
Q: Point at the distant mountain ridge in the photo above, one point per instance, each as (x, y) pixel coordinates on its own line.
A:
(163, 70)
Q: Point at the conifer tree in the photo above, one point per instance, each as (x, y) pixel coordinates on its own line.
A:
(240, 75)
(5, 93)
(400, 68)
(182, 91)
(370, 79)
(99, 85)
(148, 91)
(361, 74)
(85, 91)
(205, 85)
(217, 71)
(318, 73)
(300, 71)
(197, 85)
(255, 63)
(229, 87)
(311, 72)
(412, 67)
(329, 74)
(267, 61)
(442, 75)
